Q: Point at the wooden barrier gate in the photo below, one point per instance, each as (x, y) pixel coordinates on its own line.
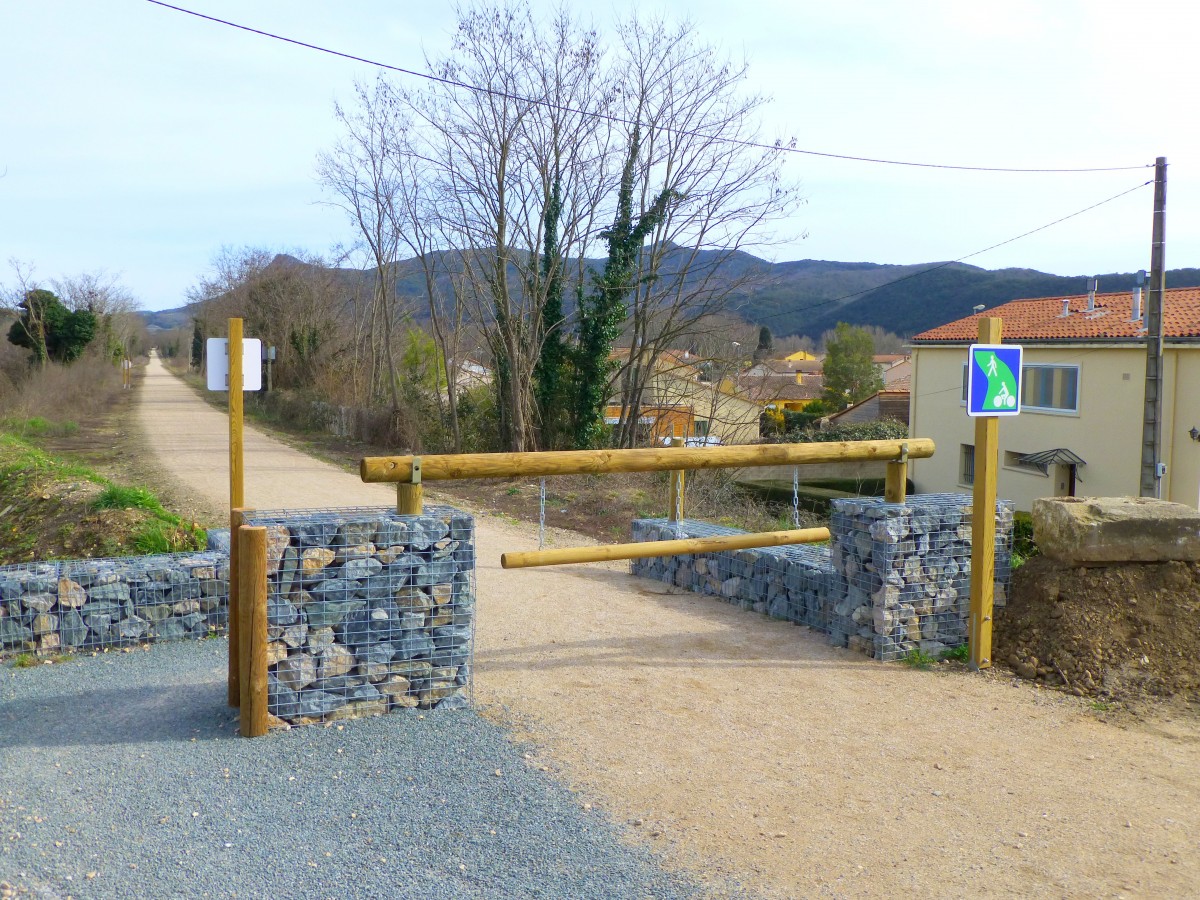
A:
(411, 472)
(247, 683)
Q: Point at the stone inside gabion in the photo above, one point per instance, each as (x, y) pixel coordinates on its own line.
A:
(74, 605)
(368, 611)
(893, 579)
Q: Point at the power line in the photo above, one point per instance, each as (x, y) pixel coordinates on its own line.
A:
(778, 146)
(877, 287)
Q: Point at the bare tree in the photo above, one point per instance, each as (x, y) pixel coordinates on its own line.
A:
(497, 156)
(362, 173)
(696, 123)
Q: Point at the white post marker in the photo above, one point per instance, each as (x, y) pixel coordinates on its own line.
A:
(993, 390)
(218, 364)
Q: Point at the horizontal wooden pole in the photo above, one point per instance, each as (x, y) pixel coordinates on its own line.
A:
(644, 549)
(455, 466)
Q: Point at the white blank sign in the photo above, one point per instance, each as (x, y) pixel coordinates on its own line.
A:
(218, 364)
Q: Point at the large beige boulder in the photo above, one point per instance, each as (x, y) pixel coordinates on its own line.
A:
(1100, 530)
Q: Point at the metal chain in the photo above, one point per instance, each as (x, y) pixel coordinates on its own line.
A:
(542, 515)
(795, 496)
(679, 483)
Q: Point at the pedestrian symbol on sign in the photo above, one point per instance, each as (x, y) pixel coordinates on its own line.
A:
(994, 380)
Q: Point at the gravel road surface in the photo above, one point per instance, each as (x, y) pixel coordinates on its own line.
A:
(123, 777)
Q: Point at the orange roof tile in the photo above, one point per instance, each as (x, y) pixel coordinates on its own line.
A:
(1041, 319)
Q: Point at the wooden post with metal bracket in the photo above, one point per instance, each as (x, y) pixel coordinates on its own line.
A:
(410, 496)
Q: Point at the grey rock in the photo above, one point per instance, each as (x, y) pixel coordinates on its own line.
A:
(319, 703)
(13, 633)
(321, 613)
(73, 630)
(296, 672)
(109, 591)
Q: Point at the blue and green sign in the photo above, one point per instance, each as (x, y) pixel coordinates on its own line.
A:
(994, 380)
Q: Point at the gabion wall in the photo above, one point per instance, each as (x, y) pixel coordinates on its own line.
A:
(794, 583)
(895, 577)
(368, 611)
(59, 607)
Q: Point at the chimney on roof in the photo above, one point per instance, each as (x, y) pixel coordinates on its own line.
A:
(1138, 286)
(1092, 285)
(1066, 308)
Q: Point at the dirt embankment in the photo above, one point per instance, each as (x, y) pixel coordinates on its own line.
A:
(1123, 632)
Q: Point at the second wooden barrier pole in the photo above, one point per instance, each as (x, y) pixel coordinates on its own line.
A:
(645, 549)
(252, 631)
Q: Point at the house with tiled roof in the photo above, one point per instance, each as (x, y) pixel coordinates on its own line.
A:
(692, 397)
(1082, 397)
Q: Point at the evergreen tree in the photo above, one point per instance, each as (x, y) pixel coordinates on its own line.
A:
(602, 312)
(549, 371)
(197, 345)
(850, 372)
(50, 330)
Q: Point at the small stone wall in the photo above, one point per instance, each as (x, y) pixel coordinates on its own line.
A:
(895, 577)
(368, 611)
(93, 604)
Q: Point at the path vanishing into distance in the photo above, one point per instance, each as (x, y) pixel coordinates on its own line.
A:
(739, 747)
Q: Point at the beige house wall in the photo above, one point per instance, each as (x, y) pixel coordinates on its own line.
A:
(731, 418)
(1106, 431)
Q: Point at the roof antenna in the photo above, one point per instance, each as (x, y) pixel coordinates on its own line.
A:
(1139, 283)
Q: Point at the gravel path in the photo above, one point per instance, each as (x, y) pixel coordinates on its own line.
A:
(123, 777)
(747, 749)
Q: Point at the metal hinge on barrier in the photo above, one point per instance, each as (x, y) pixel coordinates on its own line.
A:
(903, 453)
(416, 470)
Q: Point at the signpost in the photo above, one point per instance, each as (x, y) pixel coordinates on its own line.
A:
(225, 368)
(993, 390)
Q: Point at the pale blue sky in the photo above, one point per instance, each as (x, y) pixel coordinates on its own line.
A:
(139, 140)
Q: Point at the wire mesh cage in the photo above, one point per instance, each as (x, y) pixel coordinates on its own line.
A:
(368, 611)
(94, 604)
(894, 578)
(904, 572)
(791, 583)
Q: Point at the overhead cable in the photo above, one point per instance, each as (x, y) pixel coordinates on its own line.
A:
(778, 146)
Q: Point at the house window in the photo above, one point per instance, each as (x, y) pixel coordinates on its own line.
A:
(966, 465)
(964, 390)
(701, 428)
(1050, 387)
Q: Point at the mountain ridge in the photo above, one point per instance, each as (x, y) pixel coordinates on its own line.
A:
(810, 296)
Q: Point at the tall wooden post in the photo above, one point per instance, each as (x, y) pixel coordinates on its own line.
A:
(236, 501)
(675, 513)
(236, 484)
(233, 682)
(252, 630)
(983, 522)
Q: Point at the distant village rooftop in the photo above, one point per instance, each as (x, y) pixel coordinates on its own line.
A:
(1107, 317)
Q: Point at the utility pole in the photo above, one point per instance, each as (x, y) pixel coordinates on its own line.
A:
(1152, 469)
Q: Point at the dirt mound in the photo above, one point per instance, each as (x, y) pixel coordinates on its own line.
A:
(1118, 632)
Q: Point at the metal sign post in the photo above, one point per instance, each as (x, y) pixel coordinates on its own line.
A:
(993, 390)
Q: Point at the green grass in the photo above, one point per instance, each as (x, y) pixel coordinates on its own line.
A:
(117, 497)
(162, 537)
(24, 661)
(37, 427)
(26, 461)
(918, 659)
(961, 653)
(1100, 705)
(25, 464)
